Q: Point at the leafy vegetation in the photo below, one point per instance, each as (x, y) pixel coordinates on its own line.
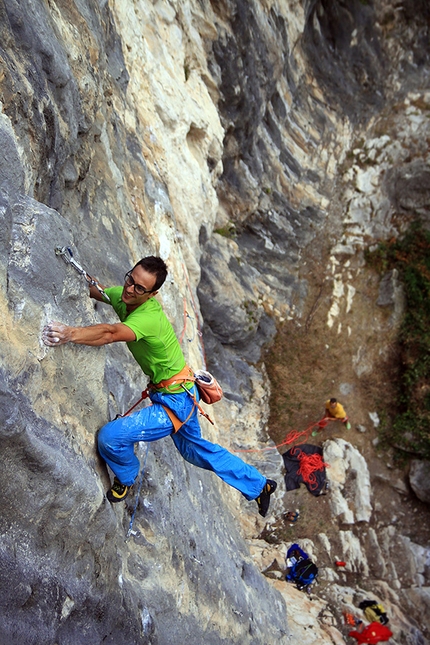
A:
(410, 428)
(228, 231)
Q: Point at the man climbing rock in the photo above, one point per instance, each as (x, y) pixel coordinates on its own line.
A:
(151, 339)
(335, 410)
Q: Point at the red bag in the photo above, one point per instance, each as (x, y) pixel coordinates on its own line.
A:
(209, 389)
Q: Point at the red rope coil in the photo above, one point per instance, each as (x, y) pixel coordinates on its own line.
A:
(309, 465)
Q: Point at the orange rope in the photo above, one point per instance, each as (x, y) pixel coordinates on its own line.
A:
(196, 313)
(309, 464)
(145, 395)
(185, 321)
(292, 436)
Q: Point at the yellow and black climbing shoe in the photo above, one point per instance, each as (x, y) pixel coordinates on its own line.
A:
(118, 491)
(263, 500)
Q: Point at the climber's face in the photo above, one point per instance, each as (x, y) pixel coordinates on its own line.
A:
(138, 287)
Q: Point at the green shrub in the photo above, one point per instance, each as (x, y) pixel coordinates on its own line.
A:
(228, 231)
(410, 428)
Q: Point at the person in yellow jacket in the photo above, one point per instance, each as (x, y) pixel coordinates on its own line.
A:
(335, 410)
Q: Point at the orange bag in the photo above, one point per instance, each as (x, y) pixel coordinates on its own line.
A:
(209, 389)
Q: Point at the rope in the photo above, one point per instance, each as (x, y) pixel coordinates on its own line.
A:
(186, 315)
(145, 395)
(293, 436)
(196, 314)
(181, 338)
(130, 526)
(309, 465)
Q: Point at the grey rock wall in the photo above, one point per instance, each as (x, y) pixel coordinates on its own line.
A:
(142, 127)
(67, 574)
(299, 83)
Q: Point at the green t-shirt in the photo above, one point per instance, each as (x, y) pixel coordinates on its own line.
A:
(156, 347)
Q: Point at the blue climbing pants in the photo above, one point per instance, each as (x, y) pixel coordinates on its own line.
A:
(117, 438)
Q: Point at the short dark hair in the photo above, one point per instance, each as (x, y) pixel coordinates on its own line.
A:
(156, 266)
(333, 400)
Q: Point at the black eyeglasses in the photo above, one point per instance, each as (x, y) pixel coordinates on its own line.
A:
(129, 281)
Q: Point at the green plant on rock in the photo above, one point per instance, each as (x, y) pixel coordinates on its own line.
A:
(251, 307)
(228, 231)
(410, 428)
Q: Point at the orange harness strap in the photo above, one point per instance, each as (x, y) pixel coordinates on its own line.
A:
(177, 424)
(174, 419)
(198, 406)
(184, 376)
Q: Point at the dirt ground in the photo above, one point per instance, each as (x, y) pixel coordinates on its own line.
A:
(356, 363)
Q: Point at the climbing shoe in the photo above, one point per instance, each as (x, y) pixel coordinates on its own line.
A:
(117, 492)
(263, 500)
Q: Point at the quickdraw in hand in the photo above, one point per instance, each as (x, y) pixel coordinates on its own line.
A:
(66, 253)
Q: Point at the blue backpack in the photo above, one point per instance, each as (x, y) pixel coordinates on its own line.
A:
(302, 571)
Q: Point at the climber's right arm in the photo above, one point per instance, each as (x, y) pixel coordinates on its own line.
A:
(95, 335)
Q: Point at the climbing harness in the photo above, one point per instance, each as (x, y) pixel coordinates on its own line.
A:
(66, 253)
(133, 515)
(209, 390)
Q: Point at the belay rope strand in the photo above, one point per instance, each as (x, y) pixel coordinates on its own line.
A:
(187, 317)
(292, 436)
(195, 320)
(309, 464)
(136, 503)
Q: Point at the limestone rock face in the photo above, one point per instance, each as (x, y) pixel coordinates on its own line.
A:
(349, 482)
(419, 479)
(214, 134)
(72, 142)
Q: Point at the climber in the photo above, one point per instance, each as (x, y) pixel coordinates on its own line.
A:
(335, 410)
(152, 341)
